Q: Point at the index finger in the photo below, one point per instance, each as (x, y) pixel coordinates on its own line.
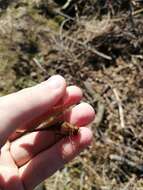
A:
(21, 107)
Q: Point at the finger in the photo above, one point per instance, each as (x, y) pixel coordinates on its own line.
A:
(72, 96)
(9, 178)
(26, 147)
(21, 107)
(47, 162)
(80, 115)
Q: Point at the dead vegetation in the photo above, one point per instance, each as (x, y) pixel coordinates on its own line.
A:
(98, 45)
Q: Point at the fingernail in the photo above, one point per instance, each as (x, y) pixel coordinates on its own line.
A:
(55, 82)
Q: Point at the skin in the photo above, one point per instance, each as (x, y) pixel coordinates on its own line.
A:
(28, 160)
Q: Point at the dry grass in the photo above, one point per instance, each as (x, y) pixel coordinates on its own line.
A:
(97, 45)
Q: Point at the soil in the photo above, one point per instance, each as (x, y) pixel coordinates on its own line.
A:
(97, 45)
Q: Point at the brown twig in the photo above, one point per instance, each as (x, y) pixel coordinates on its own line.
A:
(96, 98)
(89, 48)
(39, 65)
(137, 12)
(138, 167)
(121, 112)
(100, 114)
(85, 46)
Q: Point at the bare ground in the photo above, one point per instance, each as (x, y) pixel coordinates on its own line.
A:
(97, 45)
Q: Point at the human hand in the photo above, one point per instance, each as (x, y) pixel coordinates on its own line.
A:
(29, 159)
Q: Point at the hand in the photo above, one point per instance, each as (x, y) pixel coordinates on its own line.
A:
(29, 159)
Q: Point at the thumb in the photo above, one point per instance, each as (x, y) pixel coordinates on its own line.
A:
(21, 107)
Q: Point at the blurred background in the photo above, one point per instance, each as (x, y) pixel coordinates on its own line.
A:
(97, 45)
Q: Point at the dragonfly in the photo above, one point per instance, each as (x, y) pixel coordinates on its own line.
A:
(54, 123)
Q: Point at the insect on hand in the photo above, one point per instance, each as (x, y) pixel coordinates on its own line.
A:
(54, 123)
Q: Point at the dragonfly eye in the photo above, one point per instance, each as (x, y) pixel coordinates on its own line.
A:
(69, 129)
